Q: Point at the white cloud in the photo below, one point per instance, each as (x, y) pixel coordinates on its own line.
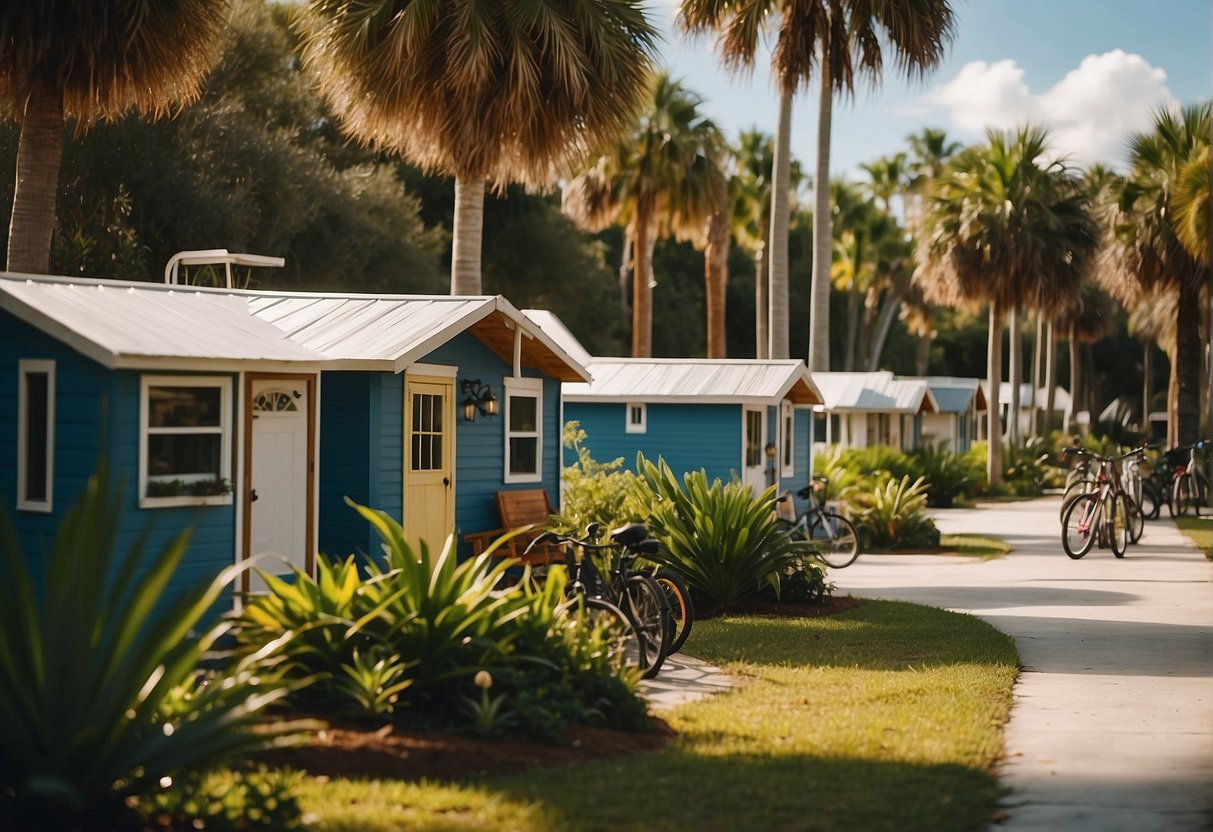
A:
(1090, 113)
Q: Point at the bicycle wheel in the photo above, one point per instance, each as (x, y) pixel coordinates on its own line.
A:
(1181, 495)
(1078, 525)
(682, 610)
(837, 543)
(617, 626)
(1083, 486)
(1118, 521)
(646, 603)
(1135, 518)
(1151, 505)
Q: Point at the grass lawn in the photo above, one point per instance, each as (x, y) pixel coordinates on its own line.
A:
(1200, 530)
(885, 717)
(974, 545)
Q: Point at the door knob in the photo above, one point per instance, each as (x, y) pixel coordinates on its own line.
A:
(252, 497)
(446, 481)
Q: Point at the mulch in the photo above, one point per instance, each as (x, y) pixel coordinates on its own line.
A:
(398, 752)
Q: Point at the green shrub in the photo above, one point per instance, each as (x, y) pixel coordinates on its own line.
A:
(803, 580)
(946, 473)
(1025, 470)
(226, 801)
(894, 516)
(596, 492)
(722, 538)
(102, 688)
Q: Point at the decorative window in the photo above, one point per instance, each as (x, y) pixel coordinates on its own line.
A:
(753, 438)
(35, 435)
(426, 435)
(787, 455)
(275, 401)
(637, 418)
(523, 430)
(185, 439)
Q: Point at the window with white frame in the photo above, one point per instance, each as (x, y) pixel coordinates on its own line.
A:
(637, 417)
(35, 435)
(184, 441)
(523, 429)
(788, 453)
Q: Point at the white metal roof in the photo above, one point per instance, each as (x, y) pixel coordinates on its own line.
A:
(954, 394)
(694, 380)
(125, 324)
(876, 392)
(558, 332)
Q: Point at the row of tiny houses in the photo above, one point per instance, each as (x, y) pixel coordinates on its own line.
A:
(252, 415)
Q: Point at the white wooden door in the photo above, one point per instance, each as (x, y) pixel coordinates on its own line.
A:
(429, 439)
(278, 501)
(754, 433)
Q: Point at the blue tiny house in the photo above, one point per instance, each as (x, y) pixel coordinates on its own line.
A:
(251, 415)
(962, 407)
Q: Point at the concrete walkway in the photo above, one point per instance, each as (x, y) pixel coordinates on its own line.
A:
(683, 679)
(1112, 724)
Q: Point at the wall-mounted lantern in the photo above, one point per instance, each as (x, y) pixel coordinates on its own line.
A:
(477, 397)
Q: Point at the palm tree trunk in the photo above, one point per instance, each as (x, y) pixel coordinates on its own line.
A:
(994, 417)
(39, 152)
(716, 276)
(1172, 391)
(761, 337)
(1146, 356)
(1015, 377)
(781, 217)
(1038, 355)
(1188, 353)
(467, 237)
(823, 237)
(625, 267)
(922, 354)
(1050, 377)
(642, 289)
(848, 361)
(1075, 377)
(887, 310)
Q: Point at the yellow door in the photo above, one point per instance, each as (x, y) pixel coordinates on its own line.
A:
(429, 454)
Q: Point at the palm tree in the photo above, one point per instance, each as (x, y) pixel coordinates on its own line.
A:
(1087, 316)
(90, 60)
(838, 40)
(887, 178)
(483, 92)
(663, 178)
(1002, 230)
(1145, 248)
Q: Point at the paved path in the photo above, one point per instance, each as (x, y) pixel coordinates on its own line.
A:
(683, 679)
(1112, 724)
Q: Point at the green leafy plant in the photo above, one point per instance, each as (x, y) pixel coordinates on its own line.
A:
(488, 713)
(893, 516)
(596, 492)
(803, 580)
(102, 688)
(225, 801)
(1026, 468)
(721, 537)
(373, 681)
(946, 474)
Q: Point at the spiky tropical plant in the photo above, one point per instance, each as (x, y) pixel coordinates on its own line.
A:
(88, 60)
(483, 92)
(832, 41)
(103, 690)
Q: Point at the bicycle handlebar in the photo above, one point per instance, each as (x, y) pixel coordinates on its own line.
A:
(633, 538)
(1085, 452)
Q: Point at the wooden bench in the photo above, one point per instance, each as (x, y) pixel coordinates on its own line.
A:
(519, 509)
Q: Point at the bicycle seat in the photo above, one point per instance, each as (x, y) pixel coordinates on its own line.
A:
(629, 535)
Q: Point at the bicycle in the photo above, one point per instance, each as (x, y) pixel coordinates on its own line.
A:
(1101, 514)
(1189, 486)
(682, 611)
(631, 597)
(837, 544)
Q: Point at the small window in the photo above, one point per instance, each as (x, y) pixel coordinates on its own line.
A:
(523, 430)
(788, 455)
(753, 438)
(637, 418)
(185, 441)
(35, 435)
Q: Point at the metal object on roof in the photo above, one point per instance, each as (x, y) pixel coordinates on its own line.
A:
(695, 380)
(138, 325)
(217, 257)
(876, 392)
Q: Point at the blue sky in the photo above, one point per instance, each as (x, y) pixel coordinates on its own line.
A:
(1093, 71)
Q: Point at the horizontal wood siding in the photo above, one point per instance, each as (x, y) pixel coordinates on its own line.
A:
(802, 451)
(480, 445)
(687, 436)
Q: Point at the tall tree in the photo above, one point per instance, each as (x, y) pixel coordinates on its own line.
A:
(832, 41)
(1146, 250)
(1006, 229)
(487, 93)
(90, 60)
(663, 178)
